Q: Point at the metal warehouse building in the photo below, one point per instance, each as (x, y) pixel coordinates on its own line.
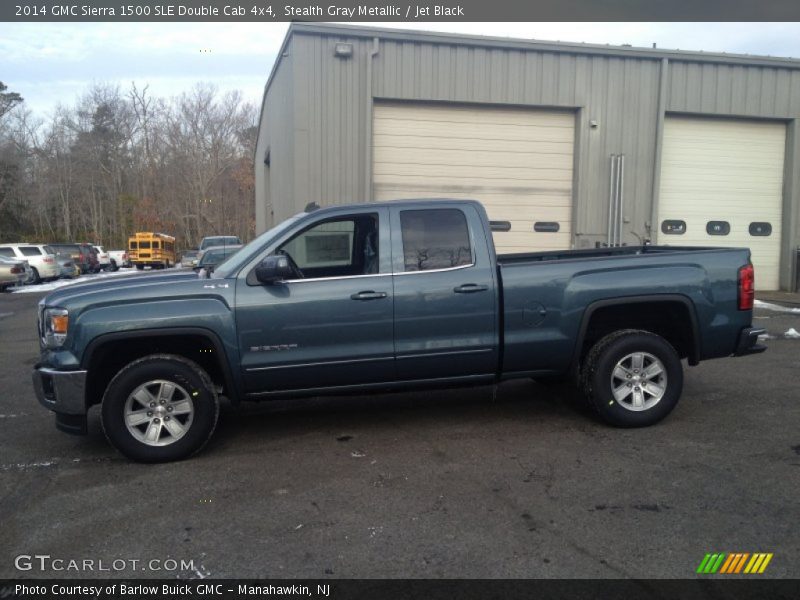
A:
(566, 145)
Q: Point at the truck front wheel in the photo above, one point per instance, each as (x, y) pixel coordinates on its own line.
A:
(160, 408)
(632, 378)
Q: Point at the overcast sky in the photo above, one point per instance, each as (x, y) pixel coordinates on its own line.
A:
(54, 62)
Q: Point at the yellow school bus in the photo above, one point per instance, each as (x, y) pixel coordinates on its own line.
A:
(148, 249)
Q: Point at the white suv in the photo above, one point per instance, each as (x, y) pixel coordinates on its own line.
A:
(41, 258)
(103, 258)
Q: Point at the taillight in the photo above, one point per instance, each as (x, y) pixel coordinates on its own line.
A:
(747, 288)
(48, 260)
(17, 270)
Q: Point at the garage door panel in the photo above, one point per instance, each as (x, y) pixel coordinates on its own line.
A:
(477, 131)
(725, 170)
(467, 115)
(513, 200)
(474, 158)
(521, 174)
(382, 141)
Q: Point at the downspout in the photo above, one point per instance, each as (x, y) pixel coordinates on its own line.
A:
(662, 107)
(368, 141)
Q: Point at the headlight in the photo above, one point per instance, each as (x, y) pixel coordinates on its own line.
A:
(56, 324)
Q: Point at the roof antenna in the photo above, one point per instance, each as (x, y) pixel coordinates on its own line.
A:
(311, 206)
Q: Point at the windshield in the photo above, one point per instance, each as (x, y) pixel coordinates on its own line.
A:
(211, 257)
(238, 260)
(219, 241)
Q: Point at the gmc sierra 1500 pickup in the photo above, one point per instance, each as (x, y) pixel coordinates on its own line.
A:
(395, 295)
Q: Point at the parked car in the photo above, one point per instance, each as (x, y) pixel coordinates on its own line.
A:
(68, 268)
(216, 240)
(12, 272)
(77, 253)
(119, 258)
(41, 258)
(410, 294)
(103, 258)
(91, 254)
(214, 256)
(189, 258)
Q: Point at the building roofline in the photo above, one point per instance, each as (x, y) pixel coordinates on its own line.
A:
(482, 41)
(542, 46)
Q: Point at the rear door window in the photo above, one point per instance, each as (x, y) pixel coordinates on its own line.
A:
(435, 239)
(7, 252)
(30, 251)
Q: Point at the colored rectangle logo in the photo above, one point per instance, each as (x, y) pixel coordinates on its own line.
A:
(734, 563)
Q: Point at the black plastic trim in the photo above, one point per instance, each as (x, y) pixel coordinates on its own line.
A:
(694, 356)
(72, 424)
(748, 342)
(219, 348)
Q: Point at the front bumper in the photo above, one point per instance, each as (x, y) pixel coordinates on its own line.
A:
(748, 342)
(63, 392)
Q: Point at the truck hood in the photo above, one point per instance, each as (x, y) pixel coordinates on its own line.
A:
(116, 289)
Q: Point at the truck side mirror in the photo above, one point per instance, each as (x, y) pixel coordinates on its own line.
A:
(273, 269)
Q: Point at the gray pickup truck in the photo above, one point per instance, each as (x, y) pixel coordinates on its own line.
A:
(397, 295)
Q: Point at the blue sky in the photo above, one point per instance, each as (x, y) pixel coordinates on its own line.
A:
(54, 62)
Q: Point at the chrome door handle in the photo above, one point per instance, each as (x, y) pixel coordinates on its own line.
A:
(370, 295)
(470, 288)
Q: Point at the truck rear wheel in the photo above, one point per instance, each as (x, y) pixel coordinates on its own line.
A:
(632, 378)
(160, 408)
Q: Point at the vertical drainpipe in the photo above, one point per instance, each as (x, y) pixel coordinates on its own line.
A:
(790, 223)
(368, 141)
(662, 107)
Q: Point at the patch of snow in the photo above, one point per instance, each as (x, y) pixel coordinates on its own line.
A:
(766, 336)
(775, 307)
(4, 315)
(54, 285)
(13, 416)
(792, 334)
(26, 466)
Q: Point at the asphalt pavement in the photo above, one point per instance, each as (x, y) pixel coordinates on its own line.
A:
(508, 482)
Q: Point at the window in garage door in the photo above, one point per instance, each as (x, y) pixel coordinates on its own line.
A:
(721, 176)
(517, 162)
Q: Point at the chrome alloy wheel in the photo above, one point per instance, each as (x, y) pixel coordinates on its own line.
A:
(159, 413)
(638, 381)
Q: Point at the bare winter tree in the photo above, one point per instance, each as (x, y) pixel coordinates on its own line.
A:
(115, 163)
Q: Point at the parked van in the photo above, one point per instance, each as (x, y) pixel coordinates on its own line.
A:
(148, 249)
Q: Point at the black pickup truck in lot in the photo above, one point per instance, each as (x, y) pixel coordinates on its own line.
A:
(380, 296)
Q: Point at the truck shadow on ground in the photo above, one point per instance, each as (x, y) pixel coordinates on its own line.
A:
(480, 407)
(523, 402)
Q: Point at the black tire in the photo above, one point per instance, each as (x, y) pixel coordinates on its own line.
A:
(140, 267)
(36, 279)
(600, 364)
(113, 267)
(194, 385)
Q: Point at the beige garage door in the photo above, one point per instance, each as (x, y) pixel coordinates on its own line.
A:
(724, 180)
(517, 162)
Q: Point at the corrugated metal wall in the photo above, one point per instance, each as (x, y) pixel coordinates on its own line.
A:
(275, 183)
(332, 111)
